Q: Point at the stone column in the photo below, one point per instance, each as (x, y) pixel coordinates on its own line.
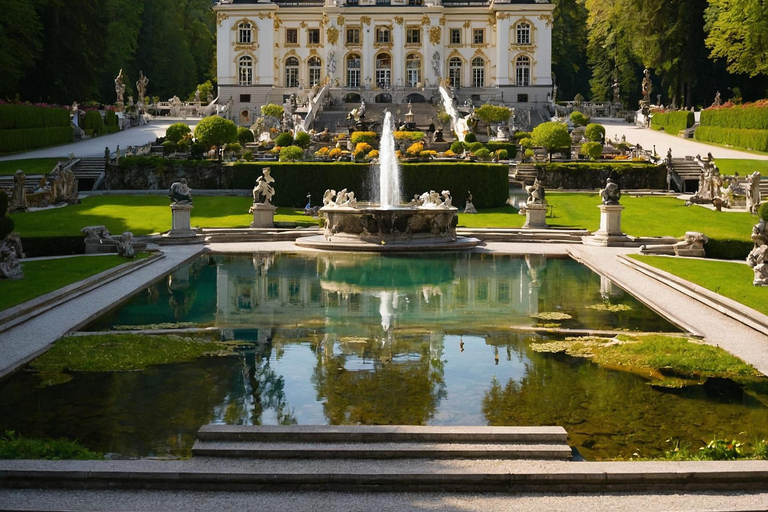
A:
(609, 233)
(535, 216)
(180, 226)
(263, 215)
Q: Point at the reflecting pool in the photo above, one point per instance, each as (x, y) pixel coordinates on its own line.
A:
(371, 339)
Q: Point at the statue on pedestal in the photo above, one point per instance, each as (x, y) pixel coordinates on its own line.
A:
(647, 86)
(180, 193)
(141, 86)
(120, 87)
(611, 193)
(536, 193)
(263, 191)
(18, 199)
(758, 258)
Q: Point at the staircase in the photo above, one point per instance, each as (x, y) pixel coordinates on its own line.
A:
(689, 172)
(381, 442)
(88, 172)
(523, 173)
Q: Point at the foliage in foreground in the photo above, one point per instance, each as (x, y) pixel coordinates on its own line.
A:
(119, 352)
(14, 446)
(718, 449)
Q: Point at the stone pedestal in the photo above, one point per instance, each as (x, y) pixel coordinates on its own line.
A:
(609, 233)
(263, 215)
(535, 216)
(180, 225)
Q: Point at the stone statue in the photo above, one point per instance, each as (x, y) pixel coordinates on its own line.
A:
(468, 206)
(263, 191)
(330, 67)
(18, 199)
(141, 86)
(328, 196)
(611, 193)
(361, 110)
(180, 193)
(758, 257)
(10, 255)
(231, 109)
(615, 88)
(536, 193)
(125, 245)
(436, 64)
(63, 186)
(647, 85)
(447, 199)
(120, 87)
(753, 192)
(717, 101)
(75, 114)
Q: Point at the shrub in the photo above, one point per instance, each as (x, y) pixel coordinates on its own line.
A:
(415, 149)
(248, 156)
(374, 153)
(470, 137)
(510, 148)
(29, 138)
(303, 140)
(595, 132)
(272, 110)
(737, 137)
(14, 116)
(579, 119)
(168, 147)
(183, 144)
(482, 153)
(177, 131)
(522, 135)
(592, 175)
(457, 147)
(672, 122)
(762, 212)
(357, 137)
(502, 154)
(412, 136)
(215, 131)
(552, 136)
(197, 150)
(526, 142)
(284, 139)
(727, 249)
(291, 154)
(323, 151)
(449, 153)
(110, 118)
(750, 116)
(93, 121)
(244, 135)
(592, 149)
(234, 147)
(474, 146)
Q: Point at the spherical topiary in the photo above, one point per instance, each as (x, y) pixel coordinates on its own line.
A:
(176, 132)
(475, 146)
(595, 132)
(482, 154)
(470, 137)
(284, 139)
(457, 147)
(303, 139)
(244, 135)
(291, 154)
(762, 212)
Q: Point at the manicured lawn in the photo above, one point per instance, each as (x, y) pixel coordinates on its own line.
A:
(143, 215)
(643, 216)
(743, 166)
(732, 280)
(29, 165)
(44, 276)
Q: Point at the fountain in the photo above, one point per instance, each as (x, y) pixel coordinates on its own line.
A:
(428, 222)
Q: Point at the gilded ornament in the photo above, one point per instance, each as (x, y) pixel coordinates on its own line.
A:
(425, 20)
(340, 20)
(546, 18)
(365, 20)
(220, 17)
(333, 35)
(399, 20)
(303, 24)
(467, 24)
(434, 35)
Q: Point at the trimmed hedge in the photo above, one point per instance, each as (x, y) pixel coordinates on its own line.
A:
(35, 247)
(673, 122)
(591, 176)
(93, 121)
(737, 137)
(748, 117)
(29, 116)
(29, 138)
(727, 249)
(110, 118)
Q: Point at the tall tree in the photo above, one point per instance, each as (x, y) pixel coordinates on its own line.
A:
(737, 31)
(21, 34)
(569, 40)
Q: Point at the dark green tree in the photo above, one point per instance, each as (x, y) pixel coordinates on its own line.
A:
(569, 48)
(551, 136)
(21, 38)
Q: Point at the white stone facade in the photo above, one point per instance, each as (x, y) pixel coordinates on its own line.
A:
(384, 50)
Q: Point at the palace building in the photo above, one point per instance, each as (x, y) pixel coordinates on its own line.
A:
(383, 51)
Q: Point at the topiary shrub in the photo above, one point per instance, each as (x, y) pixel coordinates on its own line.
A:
(369, 137)
(595, 132)
(457, 147)
(215, 131)
(592, 149)
(284, 139)
(93, 122)
(474, 146)
(168, 147)
(762, 212)
(482, 153)
(197, 150)
(234, 147)
(291, 154)
(244, 135)
(272, 110)
(248, 156)
(470, 138)
(177, 131)
(303, 140)
(579, 119)
(502, 154)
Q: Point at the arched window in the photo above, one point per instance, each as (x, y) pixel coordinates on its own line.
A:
(245, 70)
(523, 71)
(353, 70)
(454, 72)
(383, 70)
(245, 33)
(478, 72)
(291, 72)
(413, 70)
(523, 33)
(314, 71)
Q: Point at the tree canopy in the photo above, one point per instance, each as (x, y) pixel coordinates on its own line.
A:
(551, 136)
(738, 32)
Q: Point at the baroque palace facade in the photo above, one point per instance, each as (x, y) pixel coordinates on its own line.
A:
(384, 51)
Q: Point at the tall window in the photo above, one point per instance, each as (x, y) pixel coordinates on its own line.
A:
(291, 72)
(413, 35)
(413, 70)
(314, 71)
(291, 36)
(383, 70)
(478, 72)
(478, 36)
(353, 70)
(455, 36)
(383, 35)
(245, 70)
(313, 36)
(244, 33)
(454, 72)
(353, 36)
(523, 33)
(523, 71)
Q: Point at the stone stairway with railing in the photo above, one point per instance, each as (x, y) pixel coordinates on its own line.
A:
(689, 172)
(88, 171)
(523, 173)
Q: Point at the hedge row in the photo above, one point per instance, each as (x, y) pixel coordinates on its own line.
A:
(28, 138)
(35, 247)
(727, 249)
(511, 148)
(747, 117)
(737, 137)
(29, 116)
(591, 176)
(673, 122)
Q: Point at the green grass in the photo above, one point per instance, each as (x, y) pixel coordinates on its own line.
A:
(743, 166)
(29, 165)
(143, 215)
(119, 352)
(14, 446)
(43, 276)
(732, 280)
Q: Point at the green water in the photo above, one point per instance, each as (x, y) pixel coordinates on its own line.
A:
(440, 340)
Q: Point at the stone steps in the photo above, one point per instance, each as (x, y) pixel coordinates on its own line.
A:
(382, 442)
